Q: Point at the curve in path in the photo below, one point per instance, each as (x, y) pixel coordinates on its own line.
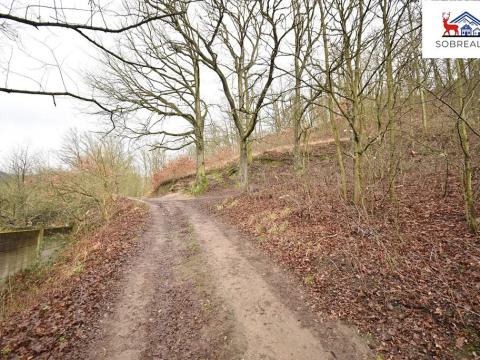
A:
(160, 312)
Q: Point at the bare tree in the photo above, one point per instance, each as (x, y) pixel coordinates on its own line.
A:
(465, 86)
(460, 100)
(159, 86)
(239, 41)
(20, 165)
(98, 171)
(85, 22)
(393, 21)
(305, 38)
(329, 90)
(349, 75)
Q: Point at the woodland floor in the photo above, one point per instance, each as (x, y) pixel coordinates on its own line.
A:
(273, 274)
(406, 273)
(188, 288)
(52, 310)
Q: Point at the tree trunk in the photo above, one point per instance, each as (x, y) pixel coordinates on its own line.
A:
(358, 128)
(392, 164)
(201, 178)
(357, 173)
(297, 123)
(243, 164)
(199, 126)
(357, 153)
(436, 76)
(422, 95)
(470, 215)
(357, 121)
(331, 114)
(424, 108)
(297, 62)
(338, 147)
(449, 72)
(297, 153)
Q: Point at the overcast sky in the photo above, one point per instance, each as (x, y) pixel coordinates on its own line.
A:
(36, 122)
(33, 60)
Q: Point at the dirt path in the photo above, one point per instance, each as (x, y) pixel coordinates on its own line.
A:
(199, 291)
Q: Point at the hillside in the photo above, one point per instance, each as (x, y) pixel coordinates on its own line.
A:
(397, 271)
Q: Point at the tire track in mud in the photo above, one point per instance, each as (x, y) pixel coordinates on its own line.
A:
(167, 308)
(263, 315)
(192, 292)
(187, 320)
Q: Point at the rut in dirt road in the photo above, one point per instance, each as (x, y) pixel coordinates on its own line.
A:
(166, 309)
(199, 291)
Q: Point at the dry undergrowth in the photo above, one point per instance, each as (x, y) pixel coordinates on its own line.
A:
(50, 308)
(407, 273)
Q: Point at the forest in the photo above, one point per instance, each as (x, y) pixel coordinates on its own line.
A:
(314, 129)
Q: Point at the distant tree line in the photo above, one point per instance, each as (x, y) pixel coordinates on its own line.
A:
(93, 171)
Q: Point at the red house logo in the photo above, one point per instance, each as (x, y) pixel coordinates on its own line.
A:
(464, 25)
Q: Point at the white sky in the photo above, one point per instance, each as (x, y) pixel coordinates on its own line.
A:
(35, 120)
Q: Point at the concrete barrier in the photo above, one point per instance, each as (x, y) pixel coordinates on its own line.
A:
(62, 230)
(18, 250)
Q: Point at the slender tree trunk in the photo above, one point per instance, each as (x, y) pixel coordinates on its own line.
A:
(424, 108)
(300, 20)
(392, 165)
(277, 117)
(243, 164)
(357, 160)
(436, 75)
(357, 174)
(418, 81)
(199, 126)
(470, 214)
(449, 72)
(358, 122)
(467, 175)
(331, 114)
(412, 106)
(358, 128)
(338, 148)
(297, 131)
(201, 177)
(421, 90)
(475, 66)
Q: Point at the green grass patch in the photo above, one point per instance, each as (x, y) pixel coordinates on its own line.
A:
(309, 280)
